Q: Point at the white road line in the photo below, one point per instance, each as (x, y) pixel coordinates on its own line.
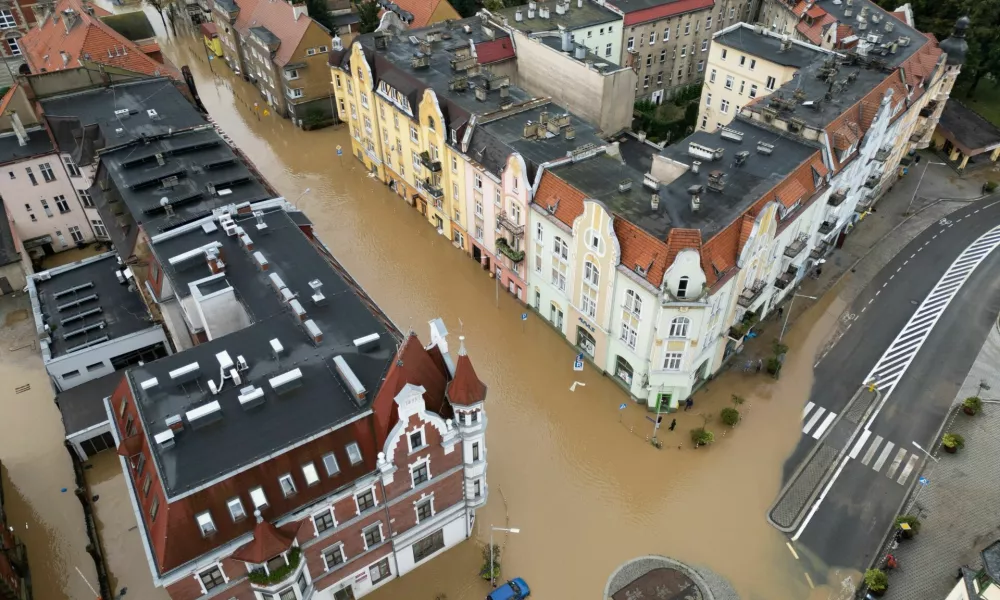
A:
(861, 443)
(910, 464)
(934, 237)
(891, 277)
(877, 292)
(912, 255)
(826, 423)
(882, 457)
(895, 463)
(976, 211)
(808, 408)
(814, 419)
(994, 204)
(906, 262)
(871, 450)
(792, 550)
(899, 269)
(870, 300)
(885, 284)
(864, 308)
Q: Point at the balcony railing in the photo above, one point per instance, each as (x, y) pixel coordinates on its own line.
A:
(882, 155)
(508, 224)
(751, 294)
(929, 109)
(837, 198)
(433, 190)
(826, 227)
(433, 165)
(795, 248)
(872, 182)
(818, 251)
(785, 279)
(504, 248)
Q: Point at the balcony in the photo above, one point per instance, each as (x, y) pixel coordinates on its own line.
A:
(819, 251)
(826, 227)
(837, 198)
(507, 250)
(428, 163)
(872, 182)
(751, 294)
(882, 155)
(506, 223)
(928, 110)
(433, 190)
(741, 327)
(795, 248)
(785, 279)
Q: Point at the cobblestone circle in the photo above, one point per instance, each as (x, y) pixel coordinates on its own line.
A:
(711, 585)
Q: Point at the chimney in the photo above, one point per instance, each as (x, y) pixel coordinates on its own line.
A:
(300, 9)
(654, 201)
(696, 166)
(22, 135)
(518, 16)
(531, 10)
(336, 43)
(561, 7)
(543, 12)
(579, 3)
(569, 132)
(65, 57)
(581, 52)
(214, 259)
(69, 18)
(543, 117)
(642, 136)
(567, 43)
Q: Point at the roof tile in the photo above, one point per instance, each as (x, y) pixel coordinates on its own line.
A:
(561, 199)
(638, 248)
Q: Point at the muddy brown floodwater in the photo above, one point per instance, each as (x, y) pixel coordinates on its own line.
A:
(572, 473)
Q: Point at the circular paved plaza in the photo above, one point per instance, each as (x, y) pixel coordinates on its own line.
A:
(662, 578)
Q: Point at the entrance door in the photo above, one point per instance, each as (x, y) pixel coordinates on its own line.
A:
(345, 594)
(538, 299)
(5, 286)
(585, 341)
(657, 96)
(477, 254)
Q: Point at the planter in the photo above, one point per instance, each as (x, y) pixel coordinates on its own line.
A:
(969, 411)
(950, 449)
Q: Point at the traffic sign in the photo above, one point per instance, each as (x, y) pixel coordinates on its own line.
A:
(578, 364)
(340, 151)
(923, 481)
(524, 316)
(622, 406)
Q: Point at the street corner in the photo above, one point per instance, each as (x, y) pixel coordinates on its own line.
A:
(663, 578)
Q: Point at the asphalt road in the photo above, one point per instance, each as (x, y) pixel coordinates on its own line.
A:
(854, 515)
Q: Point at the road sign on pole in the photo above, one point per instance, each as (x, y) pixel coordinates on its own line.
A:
(622, 406)
(340, 151)
(578, 364)
(923, 481)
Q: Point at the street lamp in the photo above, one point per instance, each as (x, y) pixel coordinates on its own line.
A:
(919, 181)
(304, 192)
(790, 304)
(928, 454)
(492, 529)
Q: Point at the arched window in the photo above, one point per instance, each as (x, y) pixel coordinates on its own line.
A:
(591, 274)
(682, 287)
(560, 249)
(679, 327)
(588, 293)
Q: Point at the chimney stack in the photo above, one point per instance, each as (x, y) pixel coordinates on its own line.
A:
(518, 16)
(300, 9)
(214, 258)
(567, 42)
(22, 135)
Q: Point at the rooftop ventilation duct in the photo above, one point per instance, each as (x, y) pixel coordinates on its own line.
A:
(580, 52)
(317, 288)
(349, 378)
(286, 382)
(187, 373)
(276, 348)
(314, 331)
(368, 342)
(297, 309)
(262, 263)
(164, 439)
(149, 384)
(251, 396)
(174, 422)
(205, 414)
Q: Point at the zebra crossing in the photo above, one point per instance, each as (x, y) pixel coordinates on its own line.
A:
(893, 364)
(880, 453)
(819, 420)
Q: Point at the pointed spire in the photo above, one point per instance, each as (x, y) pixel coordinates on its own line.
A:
(461, 345)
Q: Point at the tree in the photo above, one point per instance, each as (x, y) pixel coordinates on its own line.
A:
(493, 5)
(321, 14)
(466, 8)
(367, 15)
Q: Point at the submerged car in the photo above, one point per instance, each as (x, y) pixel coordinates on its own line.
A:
(515, 589)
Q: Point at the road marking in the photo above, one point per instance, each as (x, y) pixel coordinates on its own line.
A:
(864, 308)
(976, 211)
(895, 463)
(927, 242)
(885, 284)
(910, 464)
(861, 443)
(994, 204)
(871, 450)
(814, 419)
(792, 550)
(934, 237)
(882, 457)
(808, 408)
(892, 276)
(810, 582)
(877, 292)
(871, 300)
(826, 423)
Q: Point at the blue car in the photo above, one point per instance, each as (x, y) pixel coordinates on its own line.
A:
(515, 589)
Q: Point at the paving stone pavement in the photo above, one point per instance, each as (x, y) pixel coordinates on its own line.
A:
(958, 510)
(794, 499)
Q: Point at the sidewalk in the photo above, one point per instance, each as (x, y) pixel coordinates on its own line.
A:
(957, 508)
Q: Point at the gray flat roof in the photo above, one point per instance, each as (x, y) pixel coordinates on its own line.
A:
(82, 407)
(321, 401)
(197, 159)
(39, 143)
(599, 178)
(493, 142)
(629, 6)
(94, 111)
(601, 63)
(576, 17)
(84, 303)
(899, 28)
(768, 47)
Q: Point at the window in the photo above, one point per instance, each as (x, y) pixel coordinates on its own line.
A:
(454, 165)
(258, 497)
(708, 100)
(659, 78)
(236, 509)
(560, 249)
(420, 474)
(477, 180)
(47, 173)
(724, 106)
(71, 167)
(704, 45)
(732, 12)
(353, 453)
(76, 234)
(365, 500)
(679, 327)
(753, 63)
(429, 545)
(771, 82)
(154, 508)
(687, 28)
(333, 556)
(711, 76)
(477, 490)
(129, 423)
(724, 53)
(663, 55)
(7, 19)
(379, 571)
(15, 47)
(212, 578)
(588, 301)
(684, 51)
(701, 66)
(413, 134)
(631, 43)
(31, 176)
(373, 535)
(743, 59)
(682, 287)
(11, 173)
(324, 521)
(607, 50)
(704, 122)
(430, 123)
(310, 474)
(416, 440)
(287, 485)
(645, 81)
(672, 361)
(330, 464)
(475, 451)
(497, 201)
(649, 59)
(85, 197)
(753, 90)
(730, 80)
(425, 510)
(61, 204)
(708, 23)
(205, 523)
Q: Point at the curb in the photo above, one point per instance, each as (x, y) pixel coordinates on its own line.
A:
(829, 471)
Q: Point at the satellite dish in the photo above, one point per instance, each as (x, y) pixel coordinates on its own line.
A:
(164, 201)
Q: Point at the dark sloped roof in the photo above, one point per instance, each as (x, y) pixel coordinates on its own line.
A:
(8, 248)
(966, 128)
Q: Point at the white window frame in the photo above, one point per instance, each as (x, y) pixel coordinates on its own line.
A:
(423, 440)
(353, 449)
(679, 327)
(381, 535)
(204, 519)
(724, 106)
(730, 82)
(357, 505)
(310, 474)
(326, 511)
(236, 502)
(426, 463)
(414, 135)
(201, 584)
(287, 478)
(418, 502)
(259, 498)
(672, 361)
(343, 554)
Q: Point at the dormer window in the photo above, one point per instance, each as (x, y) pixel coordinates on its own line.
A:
(310, 474)
(330, 464)
(287, 485)
(682, 287)
(236, 511)
(205, 524)
(258, 497)
(354, 453)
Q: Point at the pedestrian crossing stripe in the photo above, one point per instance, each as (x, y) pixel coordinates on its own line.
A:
(901, 466)
(819, 420)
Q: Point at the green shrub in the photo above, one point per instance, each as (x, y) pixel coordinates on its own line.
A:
(990, 186)
(730, 416)
(952, 440)
(261, 577)
(972, 404)
(876, 580)
(702, 437)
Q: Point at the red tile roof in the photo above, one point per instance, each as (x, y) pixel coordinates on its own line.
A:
(559, 198)
(640, 248)
(7, 97)
(494, 51)
(746, 228)
(422, 11)
(816, 12)
(663, 11)
(790, 192)
(465, 388)
(268, 542)
(88, 39)
(279, 19)
(814, 32)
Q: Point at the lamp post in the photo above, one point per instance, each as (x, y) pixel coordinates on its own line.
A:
(926, 453)
(787, 314)
(304, 192)
(492, 529)
(919, 181)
